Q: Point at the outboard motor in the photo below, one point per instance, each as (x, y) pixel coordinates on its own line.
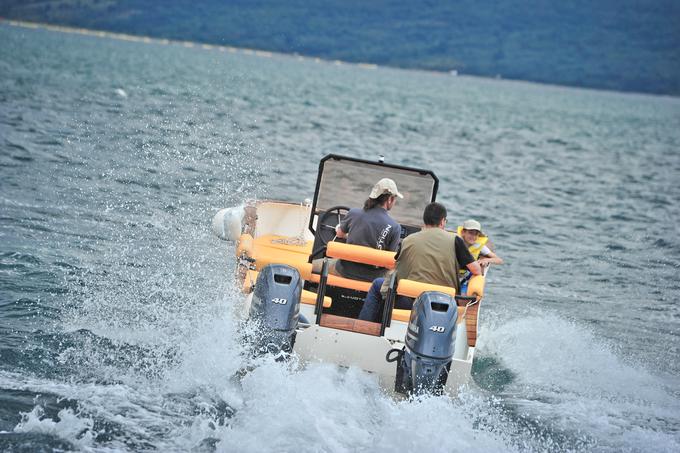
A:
(424, 365)
(276, 307)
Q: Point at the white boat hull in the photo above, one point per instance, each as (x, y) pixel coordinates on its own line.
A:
(315, 343)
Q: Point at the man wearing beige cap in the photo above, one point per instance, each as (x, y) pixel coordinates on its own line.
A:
(370, 226)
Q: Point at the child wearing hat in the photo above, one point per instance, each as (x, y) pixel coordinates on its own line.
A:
(476, 241)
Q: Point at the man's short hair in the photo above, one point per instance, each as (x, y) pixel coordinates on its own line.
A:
(434, 213)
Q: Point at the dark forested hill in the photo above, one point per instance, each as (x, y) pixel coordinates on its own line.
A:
(628, 45)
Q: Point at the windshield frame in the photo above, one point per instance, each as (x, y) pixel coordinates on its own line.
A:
(383, 168)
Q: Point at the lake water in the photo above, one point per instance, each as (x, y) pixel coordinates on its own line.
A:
(116, 304)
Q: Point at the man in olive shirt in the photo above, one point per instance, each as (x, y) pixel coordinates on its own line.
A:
(431, 255)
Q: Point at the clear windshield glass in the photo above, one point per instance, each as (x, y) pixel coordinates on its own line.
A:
(348, 183)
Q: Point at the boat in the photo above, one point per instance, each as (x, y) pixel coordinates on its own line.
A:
(429, 349)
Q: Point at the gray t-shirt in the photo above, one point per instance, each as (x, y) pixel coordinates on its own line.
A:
(373, 228)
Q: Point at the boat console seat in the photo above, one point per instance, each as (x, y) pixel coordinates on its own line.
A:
(361, 254)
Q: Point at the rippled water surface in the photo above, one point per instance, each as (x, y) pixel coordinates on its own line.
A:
(116, 323)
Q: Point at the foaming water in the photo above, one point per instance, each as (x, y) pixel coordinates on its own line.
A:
(117, 308)
(204, 400)
(566, 376)
(315, 408)
(324, 408)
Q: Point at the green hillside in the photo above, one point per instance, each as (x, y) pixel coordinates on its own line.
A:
(626, 45)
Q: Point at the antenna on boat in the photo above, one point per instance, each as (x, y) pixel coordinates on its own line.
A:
(381, 159)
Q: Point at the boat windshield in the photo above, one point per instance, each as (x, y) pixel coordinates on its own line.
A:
(344, 181)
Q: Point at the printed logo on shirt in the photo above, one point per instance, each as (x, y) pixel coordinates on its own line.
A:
(383, 235)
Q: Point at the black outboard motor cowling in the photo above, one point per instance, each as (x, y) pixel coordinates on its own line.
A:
(276, 306)
(430, 342)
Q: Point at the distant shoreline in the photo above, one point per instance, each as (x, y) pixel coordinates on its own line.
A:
(269, 54)
(188, 44)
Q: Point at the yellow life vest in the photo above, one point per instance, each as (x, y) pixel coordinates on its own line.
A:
(476, 248)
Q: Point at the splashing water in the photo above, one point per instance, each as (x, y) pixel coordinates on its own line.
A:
(617, 405)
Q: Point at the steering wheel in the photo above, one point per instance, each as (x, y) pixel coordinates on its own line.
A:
(325, 227)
